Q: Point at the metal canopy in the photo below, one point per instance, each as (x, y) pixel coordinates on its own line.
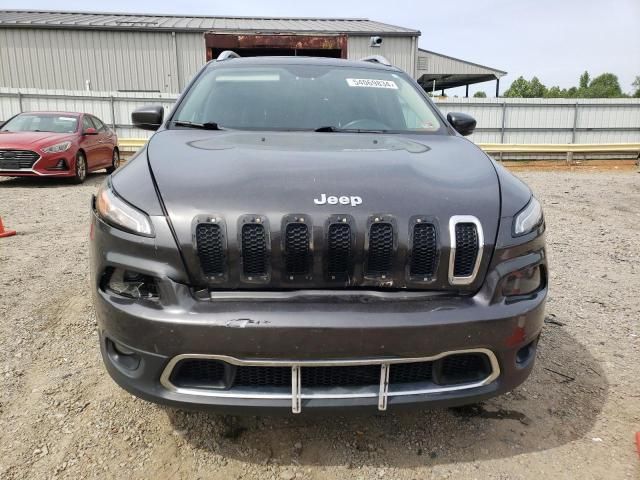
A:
(444, 81)
(450, 72)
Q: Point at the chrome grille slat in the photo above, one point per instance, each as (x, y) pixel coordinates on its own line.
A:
(467, 245)
(466, 249)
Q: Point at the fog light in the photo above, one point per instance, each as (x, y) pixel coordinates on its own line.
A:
(523, 282)
(123, 357)
(121, 349)
(525, 353)
(60, 165)
(132, 284)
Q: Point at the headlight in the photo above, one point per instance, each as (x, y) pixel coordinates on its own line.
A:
(131, 284)
(57, 148)
(115, 211)
(528, 218)
(523, 282)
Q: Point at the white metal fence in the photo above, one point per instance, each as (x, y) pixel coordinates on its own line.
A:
(500, 120)
(548, 121)
(113, 108)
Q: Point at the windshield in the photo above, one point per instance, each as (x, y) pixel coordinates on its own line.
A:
(307, 97)
(41, 122)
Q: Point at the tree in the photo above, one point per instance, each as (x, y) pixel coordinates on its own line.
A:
(604, 86)
(584, 81)
(522, 88)
(555, 92)
(636, 85)
(519, 88)
(536, 89)
(481, 94)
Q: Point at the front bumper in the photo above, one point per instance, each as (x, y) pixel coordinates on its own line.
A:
(300, 332)
(47, 165)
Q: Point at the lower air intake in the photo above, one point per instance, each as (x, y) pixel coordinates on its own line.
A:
(453, 369)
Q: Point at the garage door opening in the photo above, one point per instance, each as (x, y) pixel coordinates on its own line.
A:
(333, 46)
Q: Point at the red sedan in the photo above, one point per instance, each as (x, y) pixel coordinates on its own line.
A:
(56, 144)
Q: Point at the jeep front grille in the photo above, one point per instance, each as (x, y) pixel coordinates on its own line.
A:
(296, 249)
(380, 249)
(424, 251)
(254, 250)
(339, 251)
(466, 249)
(210, 246)
(384, 255)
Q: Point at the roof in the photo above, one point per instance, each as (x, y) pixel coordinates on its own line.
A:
(450, 72)
(451, 65)
(302, 60)
(195, 23)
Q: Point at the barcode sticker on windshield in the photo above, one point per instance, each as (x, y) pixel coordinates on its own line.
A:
(371, 83)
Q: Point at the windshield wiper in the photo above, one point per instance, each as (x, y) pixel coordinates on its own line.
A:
(328, 128)
(331, 128)
(203, 126)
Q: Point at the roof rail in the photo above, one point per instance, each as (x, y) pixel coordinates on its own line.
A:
(377, 59)
(226, 55)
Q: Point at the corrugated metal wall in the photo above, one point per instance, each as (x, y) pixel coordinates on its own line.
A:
(66, 59)
(400, 51)
(538, 120)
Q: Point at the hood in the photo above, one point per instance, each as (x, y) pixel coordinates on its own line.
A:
(276, 174)
(31, 140)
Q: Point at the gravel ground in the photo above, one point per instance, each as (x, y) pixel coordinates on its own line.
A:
(61, 416)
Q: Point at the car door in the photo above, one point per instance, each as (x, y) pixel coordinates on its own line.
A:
(105, 141)
(89, 143)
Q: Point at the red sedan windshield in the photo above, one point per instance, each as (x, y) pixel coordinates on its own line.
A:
(41, 122)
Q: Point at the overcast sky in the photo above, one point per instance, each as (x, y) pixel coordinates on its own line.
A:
(554, 39)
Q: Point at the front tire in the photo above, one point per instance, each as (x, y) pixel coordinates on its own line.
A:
(81, 168)
(115, 161)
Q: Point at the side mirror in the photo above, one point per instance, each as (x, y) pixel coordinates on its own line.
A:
(463, 124)
(148, 117)
(90, 131)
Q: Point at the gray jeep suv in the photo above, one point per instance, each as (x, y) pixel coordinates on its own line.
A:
(307, 233)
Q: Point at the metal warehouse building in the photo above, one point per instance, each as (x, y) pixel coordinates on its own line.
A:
(160, 53)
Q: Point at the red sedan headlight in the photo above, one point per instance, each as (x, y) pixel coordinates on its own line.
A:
(57, 148)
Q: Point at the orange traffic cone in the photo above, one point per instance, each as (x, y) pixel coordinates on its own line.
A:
(5, 233)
